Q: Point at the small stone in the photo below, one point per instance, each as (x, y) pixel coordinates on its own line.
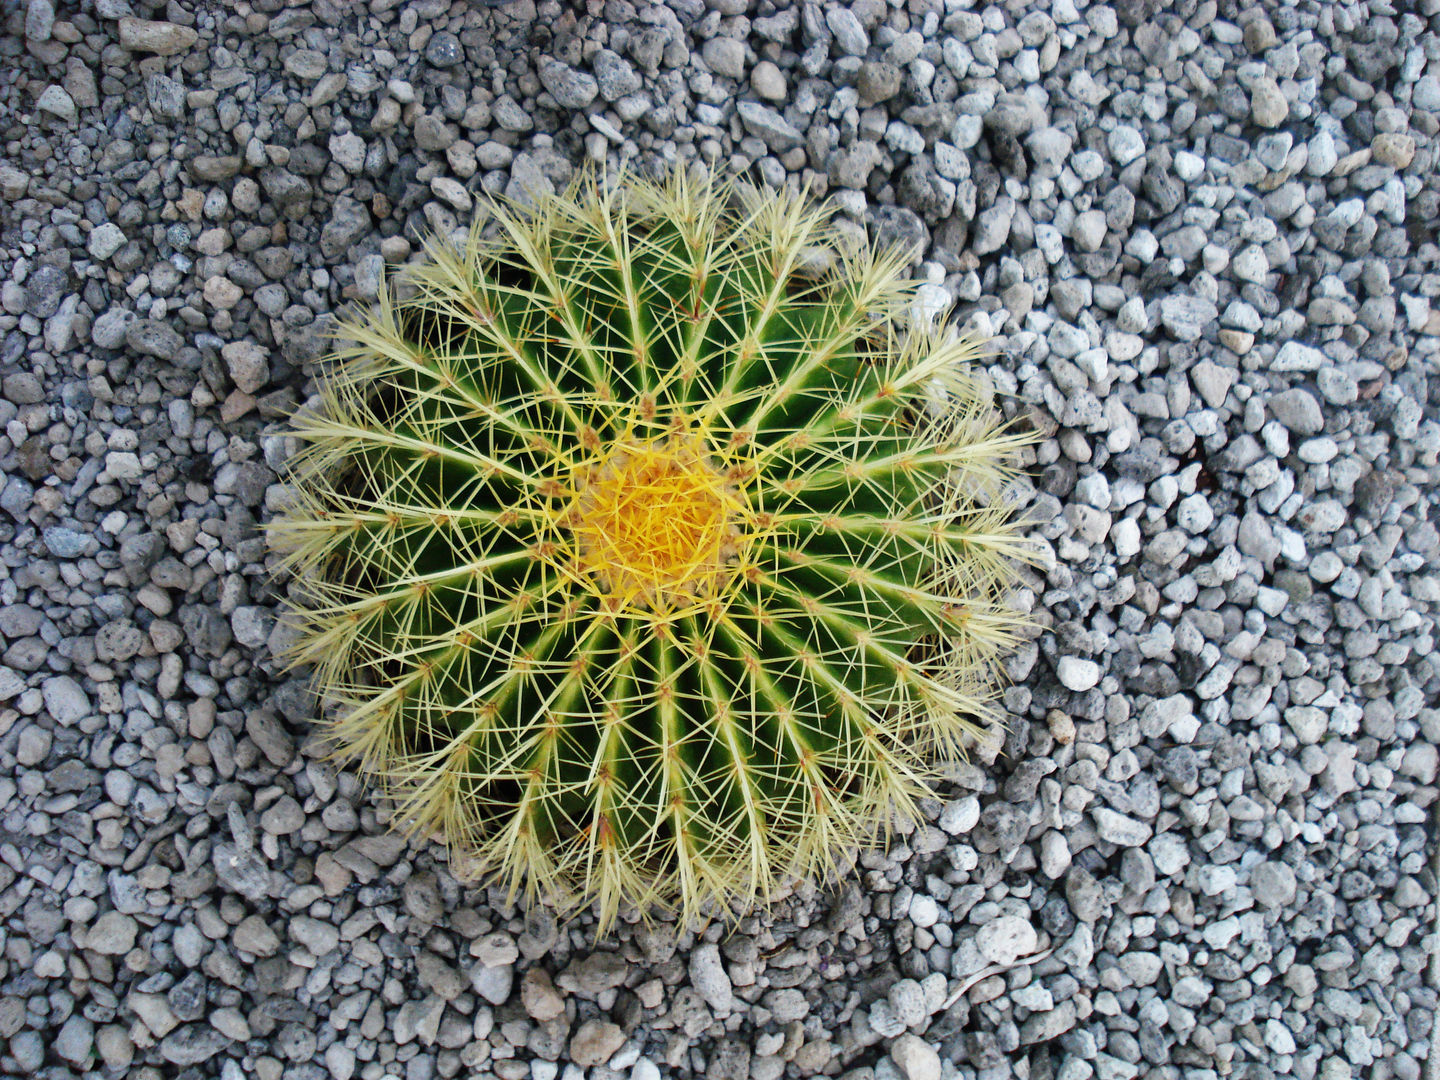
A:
(1189, 167)
(254, 935)
(725, 56)
(348, 151)
(113, 934)
(537, 991)
(283, 817)
(1426, 94)
(444, 50)
(571, 89)
(74, 1040)
(58, 103)
(192, 1044)
(453, 192)
(915, 1058)
(108, 331)
(241, 871)
(1186, 316)
(1272, 884)
(1118, 829)
(221, 293)
(247, 363)
(1394, 149)
(1295, 356)
(105, 239)
(349, 221)
(768, 81)
(161, 38)
(1212, 382)
(1054, 854)
(1004, 940)
(1268, 106)
(850, 36)
(306, 64)
(1077, 674)
(28, 1049)
(595, 1042)
(787, 1004)
(493, 983)
(1088, 232)
(433, 133)
(1126, 144)
(992, 227)
(495, 950)
(64, 700)
(769, 126)
(877, 82)
(1298, 411)
(438, 976)
(1251, 265)
(960, 816)
(166, 95)
(39, 20)
(1279, 1038)
(616, 76)
(708, 976)
(66, 543)
(214, 169)
(150, 337)
(924, 911)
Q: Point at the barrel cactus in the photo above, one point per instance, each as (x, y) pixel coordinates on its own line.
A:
(642, 554)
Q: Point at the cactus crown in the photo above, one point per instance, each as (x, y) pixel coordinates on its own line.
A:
(641, 564)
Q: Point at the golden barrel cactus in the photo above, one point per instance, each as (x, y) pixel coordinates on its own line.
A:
(643, 562)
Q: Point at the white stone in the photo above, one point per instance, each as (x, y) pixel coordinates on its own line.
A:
(708, 976)
(1077, 674)
(55, 101)
(960, 816)
(1118, 829)
(915, 1058)
(1126, 144)
(1251, 265)
(105, 240)
(924, 911)
(1189, 167)
(1004, 940)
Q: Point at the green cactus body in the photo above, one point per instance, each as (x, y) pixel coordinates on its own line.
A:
(642, 565)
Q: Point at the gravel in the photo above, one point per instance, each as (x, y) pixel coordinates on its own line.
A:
(1202, 239)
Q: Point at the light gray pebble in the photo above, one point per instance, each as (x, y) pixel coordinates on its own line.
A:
(708, 976)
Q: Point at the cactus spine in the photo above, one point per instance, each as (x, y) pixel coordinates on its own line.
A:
(639, 563)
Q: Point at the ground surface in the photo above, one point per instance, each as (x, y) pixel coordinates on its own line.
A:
(1205, 241)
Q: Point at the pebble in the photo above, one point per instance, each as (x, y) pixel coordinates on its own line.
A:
(56, 101)
(850, 35)
(1268, 106)
(708, 976)
(768, 81)
(595, 1042)
(571, 89)
(113, 934)
(1186, 316)
(1004, 940)
(537, 991)
(160, 38)
(1077, 674)
(1126, 144)
(1120, 829)
(915, 1058)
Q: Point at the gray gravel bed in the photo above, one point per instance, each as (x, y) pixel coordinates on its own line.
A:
(1203, 235)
